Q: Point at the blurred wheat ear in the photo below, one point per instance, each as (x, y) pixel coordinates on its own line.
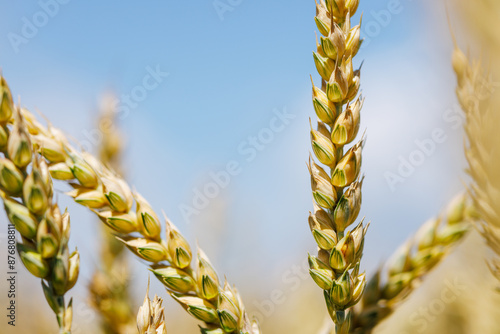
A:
(479, 98)
(412, 262)
(27, 194)
(109, 286)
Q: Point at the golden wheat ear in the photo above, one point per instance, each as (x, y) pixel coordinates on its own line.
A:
(109, 285)
(480, 101)
(336, 184)
(27, 193)
(478, 93)
(409, 265)
(138, 227)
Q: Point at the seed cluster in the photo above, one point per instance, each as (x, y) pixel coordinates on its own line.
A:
(337, 190)
(27, 194)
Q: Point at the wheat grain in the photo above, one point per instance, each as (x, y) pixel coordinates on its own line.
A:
(337, 193)
(109, 196)
(26, 191)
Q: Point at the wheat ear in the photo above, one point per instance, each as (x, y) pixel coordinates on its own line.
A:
(151, 317)
(196, 288)
(477, 97)
(337, 192)
(27, 194)
(411, 262)
(108, 287)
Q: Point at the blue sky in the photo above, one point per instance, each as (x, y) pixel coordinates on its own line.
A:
(226, 79)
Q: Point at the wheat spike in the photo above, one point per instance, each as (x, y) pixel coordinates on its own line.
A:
(480, 102)
(27, 194)
(109, 293)
(133, 220)
(151, 317)
(477, 91)
(337, 190)
(412, 262)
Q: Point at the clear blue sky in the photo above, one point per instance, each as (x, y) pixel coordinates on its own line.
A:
(226, 76)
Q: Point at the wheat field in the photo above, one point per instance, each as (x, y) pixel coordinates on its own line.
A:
(128, 210)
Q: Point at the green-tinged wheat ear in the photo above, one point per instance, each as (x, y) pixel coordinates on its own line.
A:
(102, 190)
(27, 194)
(412, 262)
(336, 187)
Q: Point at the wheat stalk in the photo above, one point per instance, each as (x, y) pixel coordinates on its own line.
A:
(197, 288)
(108, 287)
(337, 192)
(412, 262)
(27, 194)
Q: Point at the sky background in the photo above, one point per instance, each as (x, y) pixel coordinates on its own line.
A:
(228, 73)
